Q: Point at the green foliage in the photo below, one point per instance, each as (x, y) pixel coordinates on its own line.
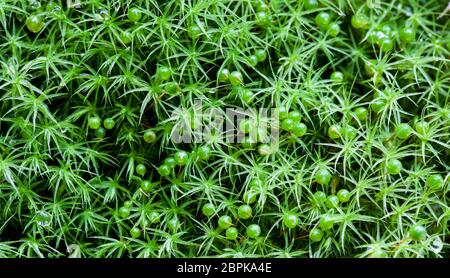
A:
(89, 167)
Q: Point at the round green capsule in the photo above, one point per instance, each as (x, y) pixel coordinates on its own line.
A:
(435, 182)
(231, 233)
(290, 221)
(417, 232)
(149, 136)
(134, 14)
(323, 176)
(34, 23)
(208, 209)
(245, 212)
(403, 131)
(326, 222)
(109, 123)
(334, 132)
(316, 235)
(253, 231)
(94, 122)
(394, 166)
(236, 78)
(225, 222)
(343, 195)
